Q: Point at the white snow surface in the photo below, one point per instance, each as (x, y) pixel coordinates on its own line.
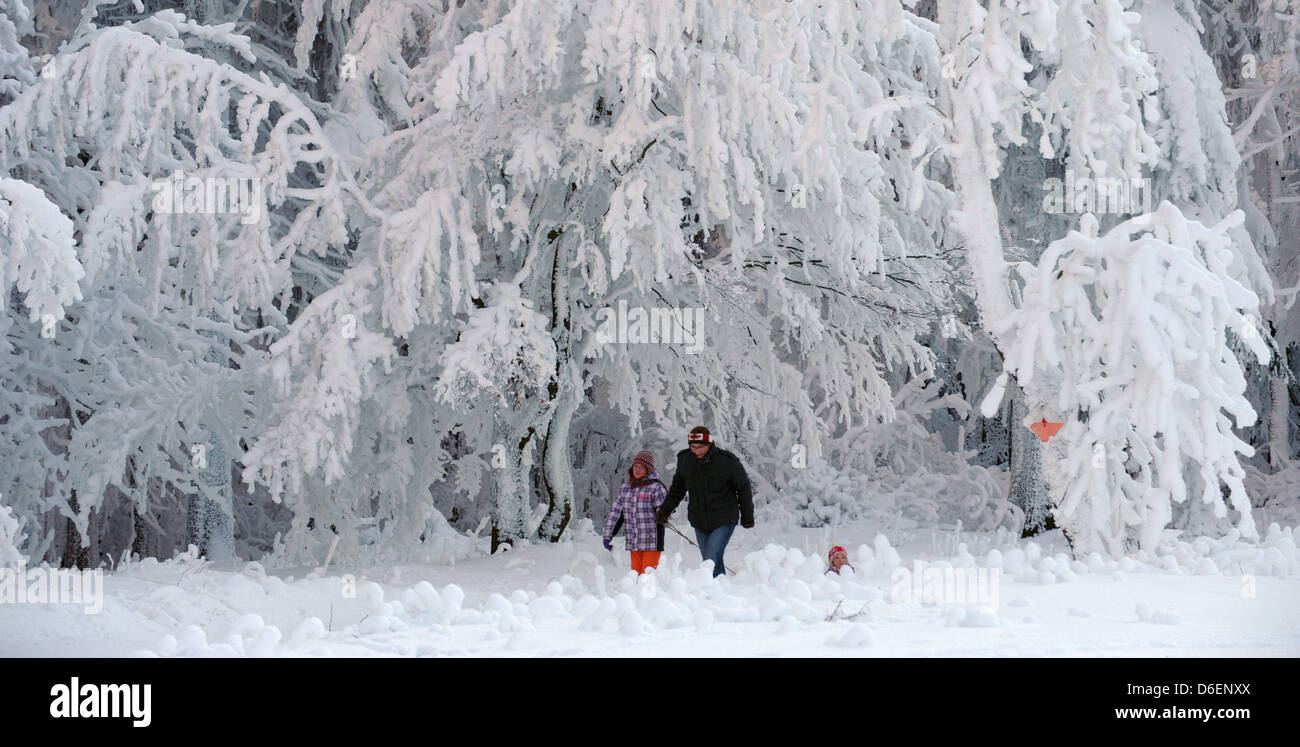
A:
(1206, 597)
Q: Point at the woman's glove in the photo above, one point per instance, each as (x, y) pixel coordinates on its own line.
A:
(608, 544)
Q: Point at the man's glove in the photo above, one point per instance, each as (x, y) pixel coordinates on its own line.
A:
(609, 545)
(749, 525)
(661, 515)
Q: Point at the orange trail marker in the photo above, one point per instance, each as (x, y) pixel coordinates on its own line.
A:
(1045, 430)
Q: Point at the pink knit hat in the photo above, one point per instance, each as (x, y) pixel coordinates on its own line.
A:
(646, 460)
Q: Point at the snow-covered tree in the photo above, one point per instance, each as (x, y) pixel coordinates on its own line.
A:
(902, 474)
(1256, 52)
(1097, 95)
(1132, 327)
(16, 69)
(384, 257)
(198, 195)
(596, 154)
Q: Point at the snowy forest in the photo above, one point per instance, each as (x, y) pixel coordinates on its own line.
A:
(386, 281)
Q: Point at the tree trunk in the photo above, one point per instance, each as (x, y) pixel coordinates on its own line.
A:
(1028, 488)
(1279, 437)
(139, 538)
(513, 434)
(75, 553)
(211, 524)
(557, 472)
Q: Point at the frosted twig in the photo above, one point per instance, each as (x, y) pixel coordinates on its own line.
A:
(859, 613)
(831, 616)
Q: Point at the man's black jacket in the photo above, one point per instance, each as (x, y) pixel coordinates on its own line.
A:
(719, 488)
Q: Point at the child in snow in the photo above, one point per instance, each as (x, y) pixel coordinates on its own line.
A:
(838, 558)
(635, 505)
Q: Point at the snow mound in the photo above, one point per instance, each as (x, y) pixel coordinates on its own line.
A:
(857, 636)
(980, 617)
(1231, 555)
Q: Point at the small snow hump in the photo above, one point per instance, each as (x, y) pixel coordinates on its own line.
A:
(308, 631)
(1143, 610)
(858, 635)
(1168, 616)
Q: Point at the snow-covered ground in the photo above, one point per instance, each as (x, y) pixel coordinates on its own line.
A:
(1200, 598)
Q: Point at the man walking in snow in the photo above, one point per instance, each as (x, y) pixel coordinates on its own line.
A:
(720, 495)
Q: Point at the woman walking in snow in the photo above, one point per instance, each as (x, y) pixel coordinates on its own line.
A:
(635, 507)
